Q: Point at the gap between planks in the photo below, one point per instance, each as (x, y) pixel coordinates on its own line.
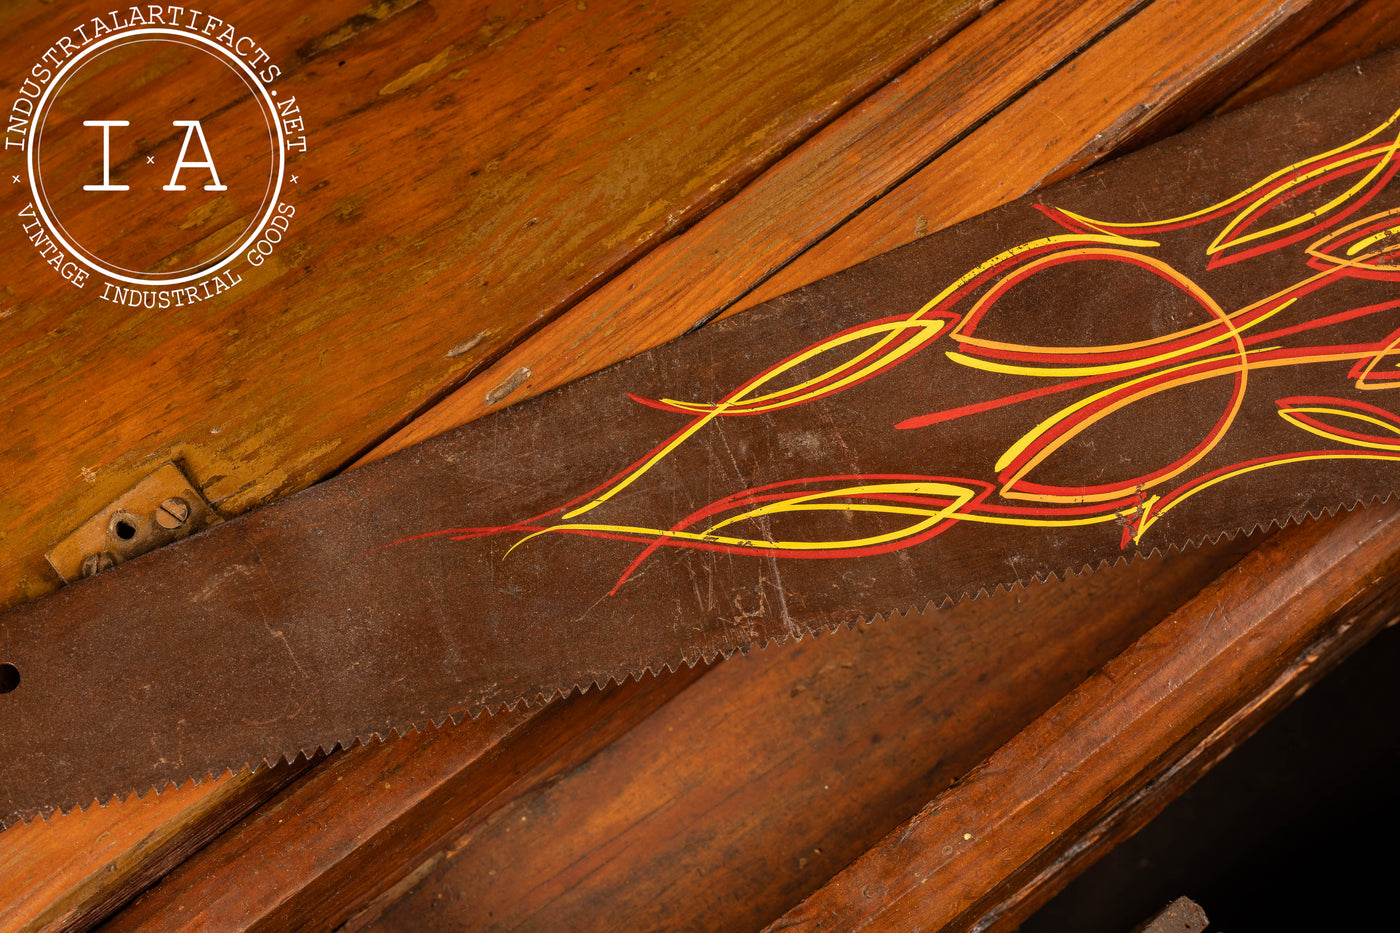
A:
(964, 135)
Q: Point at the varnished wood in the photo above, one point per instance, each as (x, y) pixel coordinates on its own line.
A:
(247, 417)
(941, 147)
(1364, 29)
(352, 830)
(170, 895)
(792, 206)
(473, 170)
(1125, 819)
(1181, 54)
(980, 855)
(779, 208)
(71, 872)
(745, 792)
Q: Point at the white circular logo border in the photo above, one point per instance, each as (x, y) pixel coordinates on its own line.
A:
(41, 114)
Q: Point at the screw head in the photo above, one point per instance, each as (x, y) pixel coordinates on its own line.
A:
(173, 513)
(94, 564)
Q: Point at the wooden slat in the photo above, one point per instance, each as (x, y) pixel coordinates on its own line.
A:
(1272, 35)
(1363, 30)
(254, 407)
(831, 215)
(1124, 820)
(1174, 74)
(734, 799)
(71, 872)
(1128, 739)
(790, 207)
(473, 170)
(342, 833)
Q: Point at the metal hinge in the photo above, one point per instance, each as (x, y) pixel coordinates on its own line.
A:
(163, 507)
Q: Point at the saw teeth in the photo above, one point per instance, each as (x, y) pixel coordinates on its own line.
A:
(697, 654)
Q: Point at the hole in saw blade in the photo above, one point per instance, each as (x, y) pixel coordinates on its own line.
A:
(9, 677)
(125, 530)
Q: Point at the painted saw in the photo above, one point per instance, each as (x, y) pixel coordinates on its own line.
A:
(1197, 339)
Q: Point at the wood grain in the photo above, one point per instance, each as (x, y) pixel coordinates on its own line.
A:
(182, 889)
(793, 205)
(1362, 30)
(1182, 52)
(976, 855)
(944, 143)
(474, 170)
(350, 833)
(1135, 812)
(773, 771)
(70, 872)
(758, 216)
(323, 357)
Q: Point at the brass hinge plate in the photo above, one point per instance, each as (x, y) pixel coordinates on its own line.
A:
(163, 507)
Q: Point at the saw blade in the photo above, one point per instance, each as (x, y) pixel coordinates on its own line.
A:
(1195, 340)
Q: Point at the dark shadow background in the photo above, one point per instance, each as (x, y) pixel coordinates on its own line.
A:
(1298, 829)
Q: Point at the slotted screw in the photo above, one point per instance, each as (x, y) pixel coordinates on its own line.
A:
(96, 563)
(173, 513)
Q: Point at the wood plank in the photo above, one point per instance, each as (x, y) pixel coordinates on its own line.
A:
(1363, 30)
(935, 153)
(402, 800)
(1142, 807)
(253, 411)
(1109, 118)
(474, 169)
(1128, 739)
(793, 205)
(72, 871)
(1223, 42)
(759, 780)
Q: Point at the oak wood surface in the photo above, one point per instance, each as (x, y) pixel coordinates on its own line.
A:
(749, 789)
(253, 408)
(835, 183)
(1362, 30)
(338, 834)
(1170, 64)
(975, 856)
(797, 202)
(1347, 634)
(473, 169)
(942, 149)
(72, 872)
(188, 891)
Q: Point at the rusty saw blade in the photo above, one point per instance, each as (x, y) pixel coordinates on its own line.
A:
(1197, 339)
